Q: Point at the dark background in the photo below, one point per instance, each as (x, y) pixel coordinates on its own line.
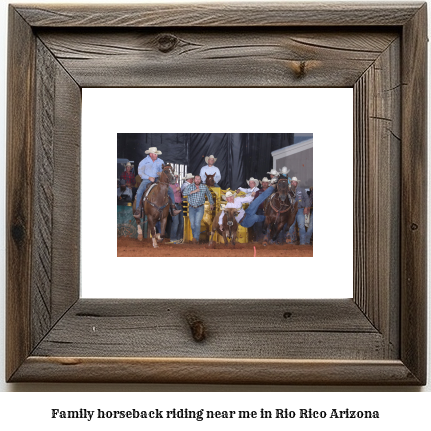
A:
(239, 155)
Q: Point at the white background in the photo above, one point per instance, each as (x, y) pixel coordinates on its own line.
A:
(401, 409)
(329, 274)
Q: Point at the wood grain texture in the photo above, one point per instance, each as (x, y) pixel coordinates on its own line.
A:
(67, 194)
(215, 371)
(55, 278)
(210, 57)
(219, 15)
(414, 191)
(19, 202)
(377, 101)
(378, 338)
(234, 329)
(43, 194)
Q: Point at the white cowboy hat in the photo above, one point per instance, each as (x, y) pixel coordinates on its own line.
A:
(265, 180)
(210, 157)
(256, 182)
(295, 179)
(284, 170)
(153, 150)
(227, 195)
(273, 172)
(188, 176)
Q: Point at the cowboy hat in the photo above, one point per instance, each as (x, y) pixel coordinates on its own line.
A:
(256, 182)
(273, 172)
(210, 157)
(227, 195)
(188, 176)
(153, 150)
(265, 180)
(284, 170)
(295, 179)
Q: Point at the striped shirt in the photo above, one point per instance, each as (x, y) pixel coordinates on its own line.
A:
(197, 199)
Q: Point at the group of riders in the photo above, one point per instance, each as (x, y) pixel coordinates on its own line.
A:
(194, 189)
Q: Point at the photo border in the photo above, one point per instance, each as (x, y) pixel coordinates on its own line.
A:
(379, 337)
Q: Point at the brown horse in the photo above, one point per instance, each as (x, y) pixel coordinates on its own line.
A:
(156, 205)
(279, 210)
(210, 180)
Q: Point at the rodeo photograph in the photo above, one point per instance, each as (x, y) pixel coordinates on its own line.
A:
(214, 194)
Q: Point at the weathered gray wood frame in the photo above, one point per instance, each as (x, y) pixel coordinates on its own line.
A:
(379, 50)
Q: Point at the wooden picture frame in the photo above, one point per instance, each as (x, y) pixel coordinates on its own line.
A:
(378, 337)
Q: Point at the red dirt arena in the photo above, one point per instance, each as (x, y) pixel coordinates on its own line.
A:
(130, 247)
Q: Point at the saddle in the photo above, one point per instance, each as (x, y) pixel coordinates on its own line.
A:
(147, 191)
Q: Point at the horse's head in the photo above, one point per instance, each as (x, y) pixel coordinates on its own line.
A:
(282, 188)
(167, 175)
(210, 180)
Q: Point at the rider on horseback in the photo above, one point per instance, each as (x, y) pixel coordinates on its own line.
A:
(148, 170)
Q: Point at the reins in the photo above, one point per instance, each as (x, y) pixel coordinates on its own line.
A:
(280, 209)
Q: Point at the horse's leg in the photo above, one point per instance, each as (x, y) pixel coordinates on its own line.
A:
(138, 221)
(277, 231)
(163, 223)
(152, 228)
(139, 230)
(267, 235)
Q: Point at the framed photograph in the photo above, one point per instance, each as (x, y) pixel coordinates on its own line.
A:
(376, 337)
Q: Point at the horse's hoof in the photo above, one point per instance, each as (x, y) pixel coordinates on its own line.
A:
(264, 243)
(140, 237)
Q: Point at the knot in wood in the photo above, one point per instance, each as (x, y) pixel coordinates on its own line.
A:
(18, 233)
(197, 328)
(167, 42)
(414, 226)
(287, 314)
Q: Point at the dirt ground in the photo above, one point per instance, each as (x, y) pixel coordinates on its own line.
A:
(128, 247)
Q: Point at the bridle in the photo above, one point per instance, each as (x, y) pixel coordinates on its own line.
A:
(167, 170)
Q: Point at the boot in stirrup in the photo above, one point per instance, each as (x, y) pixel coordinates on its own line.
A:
(174, 211)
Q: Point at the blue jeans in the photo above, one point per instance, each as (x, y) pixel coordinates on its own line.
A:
(300, 219)
(177, 225)
(309, 230)
(257, 227)
(142, 188)
(196, 215)
(250, 213)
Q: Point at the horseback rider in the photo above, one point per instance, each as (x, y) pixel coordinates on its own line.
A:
(283, 174)
(148, 170)
(210, 169)
(273, 173)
